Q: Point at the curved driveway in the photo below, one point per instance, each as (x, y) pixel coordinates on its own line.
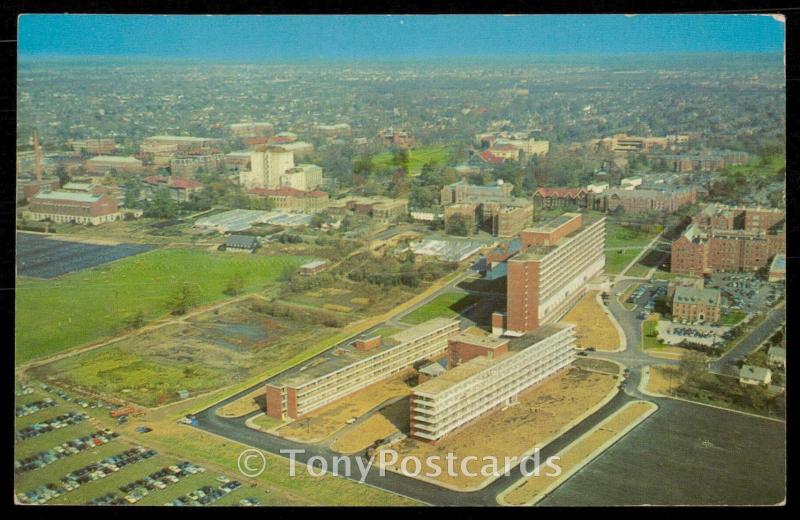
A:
(634, 358)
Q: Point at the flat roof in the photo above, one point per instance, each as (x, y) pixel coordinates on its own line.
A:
(483, 341)
(479, 364)
(556, 222)
(67, 195)
(684, 294)
(345, 354)
(312, 265)
(185, 138)
(114, 158)
(537, 252)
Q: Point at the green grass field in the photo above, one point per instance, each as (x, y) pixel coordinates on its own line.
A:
(417, 158)
(732, 318)
(54, 315)
(447, 305)
(650, 335)
(633, 240)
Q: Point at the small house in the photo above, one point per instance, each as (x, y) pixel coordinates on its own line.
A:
(750, 375)
(241, 244)
(777, 357)
(312, 268)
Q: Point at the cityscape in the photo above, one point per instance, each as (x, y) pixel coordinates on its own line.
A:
(544, 267)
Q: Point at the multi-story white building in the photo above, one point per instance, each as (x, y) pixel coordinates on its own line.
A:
(302, 177)
(266, 167)
(346, 369)
(488, 382)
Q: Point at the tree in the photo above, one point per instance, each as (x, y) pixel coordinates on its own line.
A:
(63, 176)
(457, 225)
(136, 321)
(133, 192)
(288, 273)
(692, 365)
(235, 285)
(162, 205)
(183, 299)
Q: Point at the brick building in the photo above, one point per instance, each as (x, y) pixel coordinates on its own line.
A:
(642, 200)
(693, 304)
(99, 146)
(81, 208)
(293, 200)
(728, 239)
(548, 198)
(396, 138)
(180, 189)
(102, 164)
(549, 274)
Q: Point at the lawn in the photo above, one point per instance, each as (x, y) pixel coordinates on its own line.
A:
(638, 270)
(417, 158)
(323, 422)
(623, 244)
(618, 235)
(732, 318)
(542, 414)
(650, 335)
(54, 315)
(447, 305)
(663, 379)
(593, 327)
(380, 425)
(617, 260)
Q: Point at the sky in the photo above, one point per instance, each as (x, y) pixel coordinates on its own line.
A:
(396, 36)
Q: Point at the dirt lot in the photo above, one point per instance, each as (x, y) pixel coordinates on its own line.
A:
(380, 425)
(662, 378)
(541, 414)
(255, 400)
(593, 327)
(580, 452)
(324, 422)
(202, 353)
(598, 365)
(355, 299)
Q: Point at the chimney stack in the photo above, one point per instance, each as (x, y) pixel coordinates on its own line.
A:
(38, 152)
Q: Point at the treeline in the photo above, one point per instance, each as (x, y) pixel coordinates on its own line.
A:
(298, 314)
(391, 272)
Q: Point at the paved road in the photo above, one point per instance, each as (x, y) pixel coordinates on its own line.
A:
(727, 363)
(235, 429)
(634, 358)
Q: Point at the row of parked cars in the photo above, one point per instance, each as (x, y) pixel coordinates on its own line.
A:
(205, 495)
(58, 422)
(138, 489)
(28, 409)
(83, 403)
(691, 333)
(89, 473)
(23, 390)
(75, 446)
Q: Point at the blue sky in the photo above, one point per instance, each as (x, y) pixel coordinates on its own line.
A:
(286, 37)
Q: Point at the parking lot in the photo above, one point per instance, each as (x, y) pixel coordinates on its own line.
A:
(746, 292)
(718, 457)
(645, 296)
(44, 257)
(673, 334)
(66, 453)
